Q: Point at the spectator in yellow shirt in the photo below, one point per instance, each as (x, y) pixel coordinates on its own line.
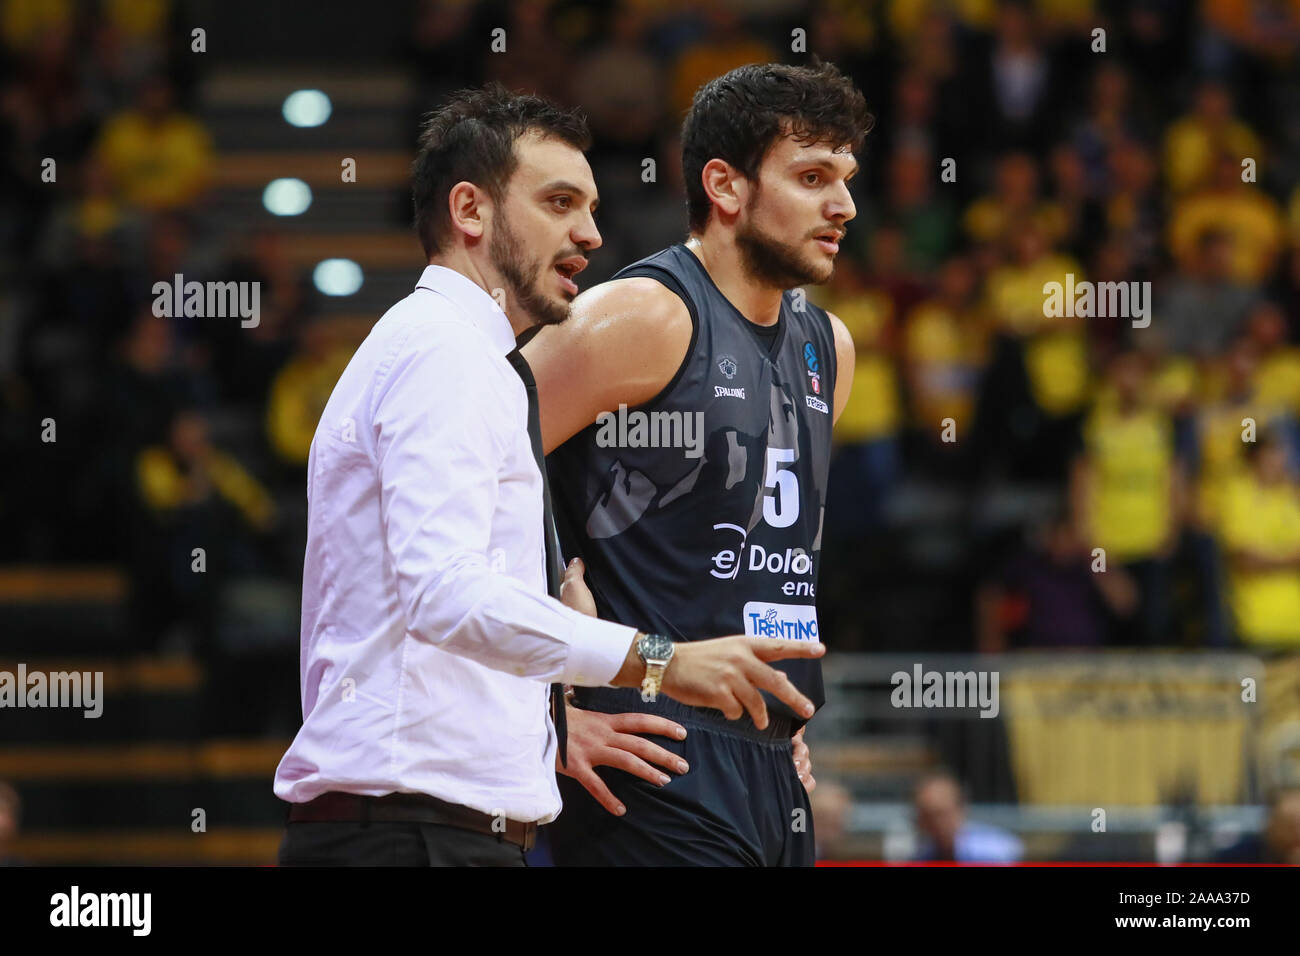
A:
(1260, 530)
(159, 158)
(1193, 142)
(1127, 493)
(943, 351)
(1242, 211)
(300, 390)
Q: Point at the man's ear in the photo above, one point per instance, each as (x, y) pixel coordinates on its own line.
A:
(726, 188)
(469, 207)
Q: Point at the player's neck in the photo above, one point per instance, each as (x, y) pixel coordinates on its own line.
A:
(722, 261)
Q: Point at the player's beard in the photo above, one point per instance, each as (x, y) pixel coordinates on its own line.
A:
(776, 263)
(507, 255)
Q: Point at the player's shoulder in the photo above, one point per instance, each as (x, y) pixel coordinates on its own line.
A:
(634, 307)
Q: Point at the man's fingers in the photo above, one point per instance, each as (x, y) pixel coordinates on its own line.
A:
(809, 783)
(630, 763)
(752, 701)
(775, 649)
(779, 686)
(650, 752)
(647, 724)
(596, 787)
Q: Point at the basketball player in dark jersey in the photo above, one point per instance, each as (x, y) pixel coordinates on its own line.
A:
(687, 407)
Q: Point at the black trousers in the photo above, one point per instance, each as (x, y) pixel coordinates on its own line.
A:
(381, 843)
(741, 803)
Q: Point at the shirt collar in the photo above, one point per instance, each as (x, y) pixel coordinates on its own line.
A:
(479, 308)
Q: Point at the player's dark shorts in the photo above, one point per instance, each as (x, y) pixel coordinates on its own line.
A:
(740, 804)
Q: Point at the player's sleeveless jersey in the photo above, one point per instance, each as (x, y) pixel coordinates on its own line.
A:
(722, 536)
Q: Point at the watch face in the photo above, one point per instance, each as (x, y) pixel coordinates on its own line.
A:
(655, 647)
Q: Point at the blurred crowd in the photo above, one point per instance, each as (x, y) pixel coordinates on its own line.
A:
(1014, 145)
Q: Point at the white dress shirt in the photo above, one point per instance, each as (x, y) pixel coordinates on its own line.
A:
(428, 638)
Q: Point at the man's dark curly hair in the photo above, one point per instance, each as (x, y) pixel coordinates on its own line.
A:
(739, 116)
(472, 138)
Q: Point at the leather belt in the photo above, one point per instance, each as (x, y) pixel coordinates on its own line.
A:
(338, 807)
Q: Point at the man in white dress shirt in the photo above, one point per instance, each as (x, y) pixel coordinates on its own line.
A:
(428, 635)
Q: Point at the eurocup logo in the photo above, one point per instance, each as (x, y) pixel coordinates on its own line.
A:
(814, 373)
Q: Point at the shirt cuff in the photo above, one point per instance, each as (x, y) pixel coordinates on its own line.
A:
(597, 650)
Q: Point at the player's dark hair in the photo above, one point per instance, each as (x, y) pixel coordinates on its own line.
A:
(471, 138)
(739, 116)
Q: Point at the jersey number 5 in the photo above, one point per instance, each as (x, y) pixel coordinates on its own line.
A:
(781, 508)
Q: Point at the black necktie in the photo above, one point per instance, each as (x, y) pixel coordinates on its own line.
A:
(554, 562)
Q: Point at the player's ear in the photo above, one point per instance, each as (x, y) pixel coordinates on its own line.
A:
(723, 183)
(466, 203)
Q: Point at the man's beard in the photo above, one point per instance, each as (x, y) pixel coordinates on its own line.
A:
(773, 262)
(507, 255)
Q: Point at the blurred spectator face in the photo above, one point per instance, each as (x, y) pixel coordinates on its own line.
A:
(1028, 242)
(1282, 832)
(1015, 28)
(189, 436)
(1267, 326)
(915, 99)
(1063, 544)
(1128, 375)
(957, 280)
(909, 177)
(886, 255)
(790, 227)
(1113, 260)
(1110, 89)
(831, 804)
(1213, 105)
(1017, 179)
(939, 812)
(536, 251)
(155, 99)
(149, 343)
(1227, 172)
(1132, 167)
(1068, 172)
(1214, 255)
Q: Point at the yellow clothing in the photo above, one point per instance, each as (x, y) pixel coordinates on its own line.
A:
(945, 351)
(1251, 219)
(297, 399)
(22, 22)
(1056, 357)
(873, 410)
(164, 486)
(1190, 150)
(1277, 380)
(157, 167)
(1132, 458)
(1219, 436)
(1264, 519)
(1173, 384)
(987, 219)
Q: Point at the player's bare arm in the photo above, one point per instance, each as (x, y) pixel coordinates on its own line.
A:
(622, 343)
(845, 359)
